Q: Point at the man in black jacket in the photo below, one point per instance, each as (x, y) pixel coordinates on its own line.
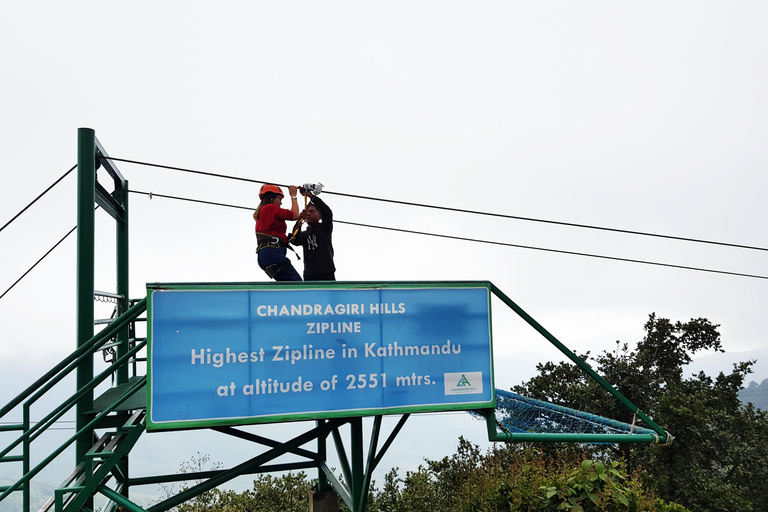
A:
(316, 240)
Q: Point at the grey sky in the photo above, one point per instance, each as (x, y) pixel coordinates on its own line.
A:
(649, 117)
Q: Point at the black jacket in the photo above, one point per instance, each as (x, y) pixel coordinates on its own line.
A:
(317, 244)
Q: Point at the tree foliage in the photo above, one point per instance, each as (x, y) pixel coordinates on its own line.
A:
(506, 478)
(286, 493)
(719, 458)
(514, 478)
(718, 461)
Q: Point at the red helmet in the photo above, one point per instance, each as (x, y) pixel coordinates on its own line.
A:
(270, 188)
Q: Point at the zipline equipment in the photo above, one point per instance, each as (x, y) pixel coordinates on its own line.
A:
(311, 188)
(266, 241)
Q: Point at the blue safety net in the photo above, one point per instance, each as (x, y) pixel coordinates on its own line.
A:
(518, 413)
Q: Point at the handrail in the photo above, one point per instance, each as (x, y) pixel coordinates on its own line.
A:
(42, 385)
(119, 323)
(58, 412)
(28, 476)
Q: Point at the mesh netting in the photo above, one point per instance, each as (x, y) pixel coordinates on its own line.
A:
(517, 413)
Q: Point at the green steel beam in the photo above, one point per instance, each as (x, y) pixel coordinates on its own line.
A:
(51, 418)
(337, 485)
(322, 454)
(663, 434)
(57, 413)
(357, 470)
(26, 448)
(54, 375)
(254, 438)
(244, 468)
(108, 203)
(121, 195)
(86, 196)
(103, 472)
(107, 163)
(90, 192)
(346, 470)
(533, 437)
(120, 499)
(356, 449)
(34, 432)
(351, 285)
(204, 475)
(370, 463)
(390, 440)
(86, 428)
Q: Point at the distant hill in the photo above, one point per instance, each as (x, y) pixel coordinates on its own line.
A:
(757, 394)
(753, 392)
(713, 364)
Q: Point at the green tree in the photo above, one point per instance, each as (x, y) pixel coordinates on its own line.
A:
(719, 458)
(506, 478)
(286, 493)
(516, 478)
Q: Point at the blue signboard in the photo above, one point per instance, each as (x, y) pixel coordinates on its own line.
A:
(239, 356)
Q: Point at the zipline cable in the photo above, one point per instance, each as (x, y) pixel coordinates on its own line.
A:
(559, 251)
(459, 210)
(41, 259)
(38, 197)
(38, 261)
(150, 194)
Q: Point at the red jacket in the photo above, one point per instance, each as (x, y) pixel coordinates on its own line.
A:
(272, 219)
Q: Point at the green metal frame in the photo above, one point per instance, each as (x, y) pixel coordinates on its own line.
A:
(96, 466)
(89, 193)
(107, 461)
(664, 437)
(27, 398)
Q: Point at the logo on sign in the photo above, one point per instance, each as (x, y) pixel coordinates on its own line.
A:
(463, 383)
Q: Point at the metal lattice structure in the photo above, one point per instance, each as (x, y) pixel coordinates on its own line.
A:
(107, 427)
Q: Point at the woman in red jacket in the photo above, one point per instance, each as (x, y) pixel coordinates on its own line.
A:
(270, 232)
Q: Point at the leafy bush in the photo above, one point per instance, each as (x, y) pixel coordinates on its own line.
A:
(512, 478)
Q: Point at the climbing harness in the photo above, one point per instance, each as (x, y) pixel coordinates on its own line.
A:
(265, 241)
(314, 189)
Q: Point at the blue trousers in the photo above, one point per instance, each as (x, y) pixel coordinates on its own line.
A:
(277, 266)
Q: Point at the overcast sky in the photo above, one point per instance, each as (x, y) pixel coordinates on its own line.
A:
(647, 116)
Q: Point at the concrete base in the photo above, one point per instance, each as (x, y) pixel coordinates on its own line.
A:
(323, 501)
